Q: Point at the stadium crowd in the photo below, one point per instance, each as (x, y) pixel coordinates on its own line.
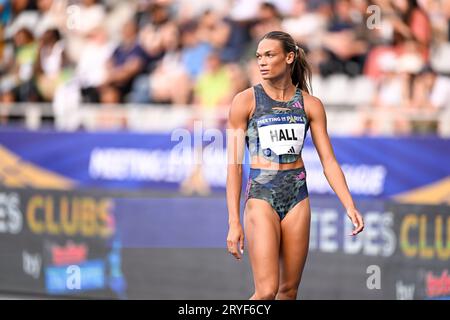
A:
(199, 54)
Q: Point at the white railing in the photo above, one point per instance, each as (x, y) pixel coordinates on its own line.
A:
(341, 119)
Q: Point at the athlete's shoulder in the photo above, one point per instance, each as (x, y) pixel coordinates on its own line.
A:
(243, 96)
(311, 100)
(244, 100)
(313, 106)
(241, 106)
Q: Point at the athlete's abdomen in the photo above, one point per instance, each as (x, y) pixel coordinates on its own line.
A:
(258, 162)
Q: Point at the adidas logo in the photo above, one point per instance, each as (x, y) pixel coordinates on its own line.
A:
(291, 150)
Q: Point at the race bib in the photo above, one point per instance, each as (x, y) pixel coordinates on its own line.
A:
(282, 133)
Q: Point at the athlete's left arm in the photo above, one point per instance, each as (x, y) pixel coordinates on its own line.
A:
(331, 168)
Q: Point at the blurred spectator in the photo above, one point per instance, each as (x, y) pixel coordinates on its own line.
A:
(223, 34)
(446, 12)
(170, 71)
(159, 37)
(244, 10)
(159, 31)
(5, 52)
(440, 18)
(158, 85)
(91, 15)
(431, 91)
(194, 50)
(52, 15)
(214, 84)
(307, 27)
(211, 29)
(188, 10)
(391, 101)
(394, 101)
(118, 12)
(437, 13)
(65, 105)
(126, 62)
(23, 14)
(50, 63)
(6, 101)
(91, 70)
(38, 16)
(268, 19)
(208, 50)
(82, 18)
(20, 75)
(345, 52)
(214, 90)
(5, 12)
(393, 86)
(412, 23)
(409, 58)
(182, 65)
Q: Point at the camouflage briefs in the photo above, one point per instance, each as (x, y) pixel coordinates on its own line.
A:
(282, 189)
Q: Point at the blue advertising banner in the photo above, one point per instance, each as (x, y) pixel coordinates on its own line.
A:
(92, 244)
(59, 243)
(412, 168)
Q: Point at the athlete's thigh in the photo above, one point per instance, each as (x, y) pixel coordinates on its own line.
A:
(262, 233)
(294, 243)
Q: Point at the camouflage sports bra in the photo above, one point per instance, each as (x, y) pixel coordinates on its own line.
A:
(277, 135)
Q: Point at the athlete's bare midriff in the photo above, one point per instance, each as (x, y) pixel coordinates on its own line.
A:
(258, 162)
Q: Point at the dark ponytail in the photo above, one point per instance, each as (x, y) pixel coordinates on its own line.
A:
(300, 72)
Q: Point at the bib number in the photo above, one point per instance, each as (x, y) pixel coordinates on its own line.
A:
(283, 134)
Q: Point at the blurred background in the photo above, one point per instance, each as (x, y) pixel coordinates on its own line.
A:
(113, 149)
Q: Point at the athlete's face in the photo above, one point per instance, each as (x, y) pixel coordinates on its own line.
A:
(272, 60)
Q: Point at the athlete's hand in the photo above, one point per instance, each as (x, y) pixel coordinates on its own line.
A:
(235, 240)
(356, 219)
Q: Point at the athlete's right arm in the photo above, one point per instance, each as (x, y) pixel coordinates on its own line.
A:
(236, 128)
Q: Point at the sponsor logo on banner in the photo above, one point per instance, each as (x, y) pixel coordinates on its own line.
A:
(59, 242)
(152, 160)
(437, 286)
(71, 253)
(404, 291)
(70, 215)
(11, 218)
(31, 264)
(86, 276)
(425, 236)
(159, 165)
(378, 238)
